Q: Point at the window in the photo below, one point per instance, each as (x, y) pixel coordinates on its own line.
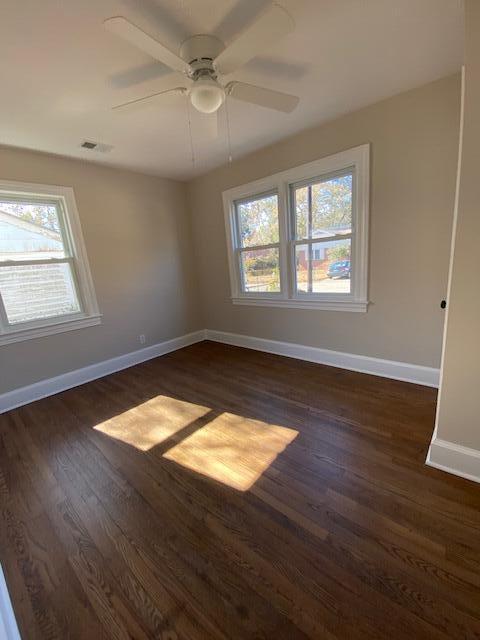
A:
(299, 238)
(45, 282)
(322, 223)
(258, 243)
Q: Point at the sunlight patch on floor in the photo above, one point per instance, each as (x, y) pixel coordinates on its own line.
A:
(149, 424)
(232, 449)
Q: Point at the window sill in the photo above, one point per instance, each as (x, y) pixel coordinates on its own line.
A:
(20, 335)
(319, 305)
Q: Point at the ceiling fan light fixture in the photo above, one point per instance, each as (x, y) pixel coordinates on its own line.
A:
(207, 95)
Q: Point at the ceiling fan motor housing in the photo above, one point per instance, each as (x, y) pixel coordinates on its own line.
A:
(201, 48)
(199, 52)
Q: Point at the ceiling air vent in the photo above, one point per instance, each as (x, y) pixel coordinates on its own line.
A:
(96, 146)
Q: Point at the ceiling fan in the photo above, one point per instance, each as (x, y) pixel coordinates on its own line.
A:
(203, 58)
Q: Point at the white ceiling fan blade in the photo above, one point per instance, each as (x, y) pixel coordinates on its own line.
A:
(272, 25)
(146, 100)
(121, 27)
(261, 96)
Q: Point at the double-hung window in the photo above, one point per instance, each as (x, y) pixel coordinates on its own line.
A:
(321, 211)
(258, 243)
(45, 282)
(299, 238)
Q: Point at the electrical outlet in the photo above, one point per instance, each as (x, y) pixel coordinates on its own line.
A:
(142, 339)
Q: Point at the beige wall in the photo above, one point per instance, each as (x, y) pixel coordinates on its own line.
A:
(137, 235)
(414, 138)
(458, 418)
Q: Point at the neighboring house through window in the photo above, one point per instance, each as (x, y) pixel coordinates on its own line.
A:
(299, 238)
(45, 281)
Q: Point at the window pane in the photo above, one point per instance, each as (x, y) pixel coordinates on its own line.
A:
(258, 221)
(324, 208)
(261, 270)
(29, 231)
(33, 292)
(323, 267)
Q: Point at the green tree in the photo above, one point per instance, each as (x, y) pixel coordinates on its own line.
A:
(339, 252)
(45, 215)
(259, 221)
(260, 263)
(331, 207)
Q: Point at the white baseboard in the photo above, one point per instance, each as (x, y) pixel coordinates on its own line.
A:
(444, 455)
(8, 624)
(454, 458)
(417, 374)
(364, 364)
(44, 388)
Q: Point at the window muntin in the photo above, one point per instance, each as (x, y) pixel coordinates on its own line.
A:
(45, 283)
(322, 231)
(258, 243)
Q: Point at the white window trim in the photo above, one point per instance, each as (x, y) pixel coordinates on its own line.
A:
(357, 159)
(90, 315)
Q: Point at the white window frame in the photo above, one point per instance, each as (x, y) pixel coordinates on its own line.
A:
(358, 161)
(89, 314)
(238, 249)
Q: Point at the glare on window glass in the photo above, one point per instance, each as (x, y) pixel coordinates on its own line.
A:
(31, 292)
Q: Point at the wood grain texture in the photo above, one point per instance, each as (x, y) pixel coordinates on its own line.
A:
(218, 492)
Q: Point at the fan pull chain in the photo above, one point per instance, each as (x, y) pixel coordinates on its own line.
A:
(229, 143)
(192, 151)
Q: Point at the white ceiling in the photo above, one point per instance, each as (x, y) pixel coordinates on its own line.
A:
(60, 72)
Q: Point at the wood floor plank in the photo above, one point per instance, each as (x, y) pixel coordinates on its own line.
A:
(223, 493)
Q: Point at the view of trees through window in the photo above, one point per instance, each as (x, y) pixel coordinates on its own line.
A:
(258, 227)
(323, 212)
(324, 208)
(322, 222)
(44, 215)
(299, 238)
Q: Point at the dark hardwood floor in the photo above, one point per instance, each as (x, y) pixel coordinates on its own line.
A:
(218, 492)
